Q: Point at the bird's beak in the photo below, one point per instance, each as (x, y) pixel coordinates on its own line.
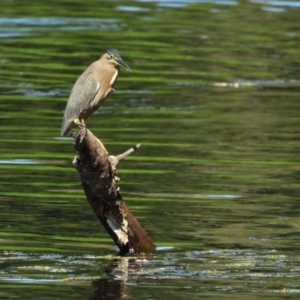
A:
(123, 64)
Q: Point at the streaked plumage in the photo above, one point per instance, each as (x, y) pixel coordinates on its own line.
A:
(92, 88)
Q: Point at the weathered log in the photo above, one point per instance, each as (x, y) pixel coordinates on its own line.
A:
(99, 180)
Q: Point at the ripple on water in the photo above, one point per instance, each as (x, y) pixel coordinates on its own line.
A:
(173, 265)
(36, 93)
(278, 3)
(273, 9)
(183, 3)
(191, 196)
(26, 26)
(132, 8)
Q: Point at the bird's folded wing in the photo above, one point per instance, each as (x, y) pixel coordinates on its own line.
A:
(82, 95)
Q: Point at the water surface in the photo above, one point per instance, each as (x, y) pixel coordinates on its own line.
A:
(213, 97)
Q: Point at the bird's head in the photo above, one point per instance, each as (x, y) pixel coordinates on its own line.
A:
(114, 57)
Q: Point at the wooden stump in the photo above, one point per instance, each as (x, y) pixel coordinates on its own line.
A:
(99, 180)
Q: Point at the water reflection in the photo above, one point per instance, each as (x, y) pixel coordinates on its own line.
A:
(120, 275)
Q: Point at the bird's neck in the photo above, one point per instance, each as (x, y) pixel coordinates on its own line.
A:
(114, 77)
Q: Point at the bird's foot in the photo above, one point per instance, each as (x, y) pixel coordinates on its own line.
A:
(79, 122)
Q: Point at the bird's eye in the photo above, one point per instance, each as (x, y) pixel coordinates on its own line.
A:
(109, 56)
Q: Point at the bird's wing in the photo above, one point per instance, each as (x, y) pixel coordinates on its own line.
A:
(82, 95)
(80, 99)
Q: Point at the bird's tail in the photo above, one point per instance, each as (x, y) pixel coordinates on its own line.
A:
(66, 126)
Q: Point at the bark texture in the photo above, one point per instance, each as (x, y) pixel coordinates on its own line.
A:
(97, 172)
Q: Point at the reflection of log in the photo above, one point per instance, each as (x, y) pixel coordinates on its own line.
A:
(99, 181)
(113, 286)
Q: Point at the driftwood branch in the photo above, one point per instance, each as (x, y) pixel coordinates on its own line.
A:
(98, 174)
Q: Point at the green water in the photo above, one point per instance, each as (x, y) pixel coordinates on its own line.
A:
(213, 97)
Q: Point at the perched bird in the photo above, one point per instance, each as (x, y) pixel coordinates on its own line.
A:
(92, 88)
